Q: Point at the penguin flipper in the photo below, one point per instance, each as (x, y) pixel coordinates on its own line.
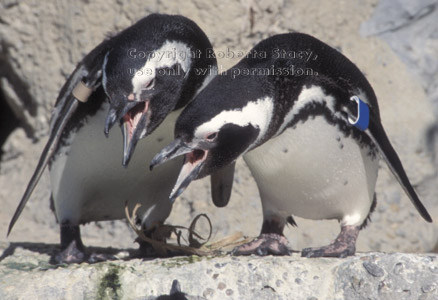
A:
(222, 184)
(87, 72)
(45, 157)
(378, 135)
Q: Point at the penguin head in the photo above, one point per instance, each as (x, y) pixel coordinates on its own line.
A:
(222, 123)
(149, 71)
(141, 94)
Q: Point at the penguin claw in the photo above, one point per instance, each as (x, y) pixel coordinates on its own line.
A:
(265, 244)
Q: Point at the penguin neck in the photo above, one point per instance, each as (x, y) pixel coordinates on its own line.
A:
(196, 81)
(259, 114)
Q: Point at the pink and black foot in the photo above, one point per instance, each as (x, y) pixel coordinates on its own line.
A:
(344, 245)
(270, 242)
(265, 244)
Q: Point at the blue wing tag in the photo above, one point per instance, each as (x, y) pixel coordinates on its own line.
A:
(362, 120)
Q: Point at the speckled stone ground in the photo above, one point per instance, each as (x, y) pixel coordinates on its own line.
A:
(27, 275)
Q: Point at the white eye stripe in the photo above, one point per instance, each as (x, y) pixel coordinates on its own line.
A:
(256, 113)
(169, 54)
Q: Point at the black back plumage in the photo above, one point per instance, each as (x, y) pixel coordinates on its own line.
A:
(331, 70)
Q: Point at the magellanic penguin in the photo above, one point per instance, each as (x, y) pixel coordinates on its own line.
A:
(139, 78)
(307, 123)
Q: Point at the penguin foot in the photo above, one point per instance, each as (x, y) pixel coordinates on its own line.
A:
(343, 246)
(265, 244)
(71, 255)
(72, 248)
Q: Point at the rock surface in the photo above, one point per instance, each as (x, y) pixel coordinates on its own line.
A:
(393, 42)
(27, 275)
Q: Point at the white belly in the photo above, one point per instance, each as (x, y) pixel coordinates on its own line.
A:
(90, 184)
(314, 172)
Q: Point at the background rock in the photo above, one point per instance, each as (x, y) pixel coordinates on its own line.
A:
(395, 43)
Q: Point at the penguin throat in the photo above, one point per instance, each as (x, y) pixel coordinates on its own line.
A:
(192, 160)
(193, 163)
(195, 156)
(133, 117)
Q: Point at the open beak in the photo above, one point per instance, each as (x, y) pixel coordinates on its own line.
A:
(134, 119)
(194, 161)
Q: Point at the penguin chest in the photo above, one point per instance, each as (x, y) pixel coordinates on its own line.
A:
(89, 182)
(314, 171)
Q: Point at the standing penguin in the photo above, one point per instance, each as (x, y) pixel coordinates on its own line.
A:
(307, 123)
(139, 78)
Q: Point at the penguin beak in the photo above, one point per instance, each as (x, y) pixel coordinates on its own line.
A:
(194, 161)
(134, 119)
(134, 128)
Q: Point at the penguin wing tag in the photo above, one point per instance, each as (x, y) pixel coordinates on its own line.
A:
(363, 114)
(82, 92)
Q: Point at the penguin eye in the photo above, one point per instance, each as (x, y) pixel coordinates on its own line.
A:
(149, 85)
(211, 136)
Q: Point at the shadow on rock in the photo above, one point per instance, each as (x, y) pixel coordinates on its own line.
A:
(53, 250)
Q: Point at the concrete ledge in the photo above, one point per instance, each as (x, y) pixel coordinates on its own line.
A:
(26, 274)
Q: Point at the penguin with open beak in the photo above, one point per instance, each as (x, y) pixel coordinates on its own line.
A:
(307, 123)
(140, 79)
